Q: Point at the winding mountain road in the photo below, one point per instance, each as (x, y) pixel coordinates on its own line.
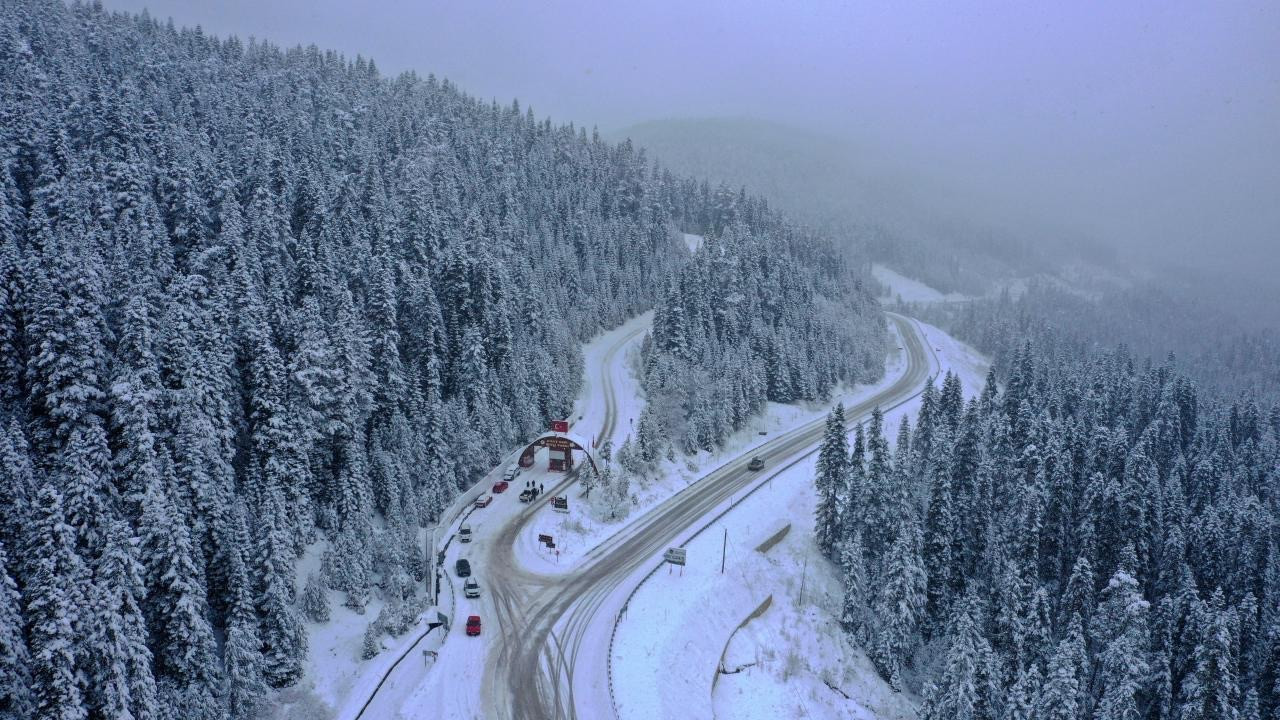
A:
(550, 652)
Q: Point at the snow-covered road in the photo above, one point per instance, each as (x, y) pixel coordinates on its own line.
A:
(558, 665)
(545, 650)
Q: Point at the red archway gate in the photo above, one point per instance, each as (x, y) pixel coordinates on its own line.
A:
(560, 447)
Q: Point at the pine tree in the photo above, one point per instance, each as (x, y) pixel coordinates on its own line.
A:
(832, 478)
(284, 641)
(1062, 690)
(1019, 701)
(133, 401)
(15, 668)
(372, 644)
(315, 600)
(121, 684)
(1211, 689)
(899, 604)
(68, 365)
(54, 603)
(962, 690)
(242, 649)
(855, 615)
(881, 518)
(1119, 630)
(187, 672)
(939, 538)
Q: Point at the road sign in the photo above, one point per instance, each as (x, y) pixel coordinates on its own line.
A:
(552, 546)
(544, 539)
(675, 556)
(560, 504)
(561, 426)
(556, 443)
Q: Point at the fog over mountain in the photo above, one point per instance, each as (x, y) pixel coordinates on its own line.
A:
(1147, 125)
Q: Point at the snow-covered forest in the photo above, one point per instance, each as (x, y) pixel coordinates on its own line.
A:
(737, 327)
(1228, 346)
(254, 298)
(1091, 537)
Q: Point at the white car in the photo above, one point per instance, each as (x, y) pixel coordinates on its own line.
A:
(471, 588)
(464, 533)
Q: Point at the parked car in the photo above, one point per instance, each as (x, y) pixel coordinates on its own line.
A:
(471, 588)
(756, 463)
(462, 567)
(500, 487)
(510, 475)
(464, 533)
(473, 625)
(484, 500)
(527, 494)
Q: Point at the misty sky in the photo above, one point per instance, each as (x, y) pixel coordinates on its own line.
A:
(1156, 123)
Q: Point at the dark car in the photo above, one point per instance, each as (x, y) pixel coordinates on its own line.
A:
(527, 495)
(473, 625)
(756, 463)
(462, 567)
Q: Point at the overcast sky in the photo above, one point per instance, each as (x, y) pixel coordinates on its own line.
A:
(1154, 123)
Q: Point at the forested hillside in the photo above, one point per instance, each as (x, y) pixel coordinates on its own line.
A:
(255, 298)
(739, 326)
(1090, 538)
(1229, 348)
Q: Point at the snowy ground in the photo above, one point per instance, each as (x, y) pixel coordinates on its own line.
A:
(674, 630)
(693, 242)
(904, 289)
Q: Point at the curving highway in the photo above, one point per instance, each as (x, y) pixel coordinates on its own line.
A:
(550, 649)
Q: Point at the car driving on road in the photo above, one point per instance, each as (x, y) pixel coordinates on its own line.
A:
(471, 588)
(500, 487)
(462, 567)
(473, 625)
(756, 463)
(484, 500)
(464, 533)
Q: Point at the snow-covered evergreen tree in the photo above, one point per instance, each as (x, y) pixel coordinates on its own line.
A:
(831, 481)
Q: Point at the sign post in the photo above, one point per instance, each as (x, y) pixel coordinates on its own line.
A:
(675, 556)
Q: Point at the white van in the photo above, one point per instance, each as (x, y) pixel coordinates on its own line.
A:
(464, 533)
(471, 588)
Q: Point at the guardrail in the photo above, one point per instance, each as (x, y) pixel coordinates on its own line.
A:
(403, 655)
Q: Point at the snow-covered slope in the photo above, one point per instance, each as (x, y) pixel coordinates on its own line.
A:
(904, 289)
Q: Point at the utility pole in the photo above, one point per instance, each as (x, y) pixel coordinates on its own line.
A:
(803, 574)
(431, 564)
(724, 546)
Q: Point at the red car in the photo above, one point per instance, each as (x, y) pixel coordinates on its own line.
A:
(473, 625)
(483, 501)
(500, 487)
